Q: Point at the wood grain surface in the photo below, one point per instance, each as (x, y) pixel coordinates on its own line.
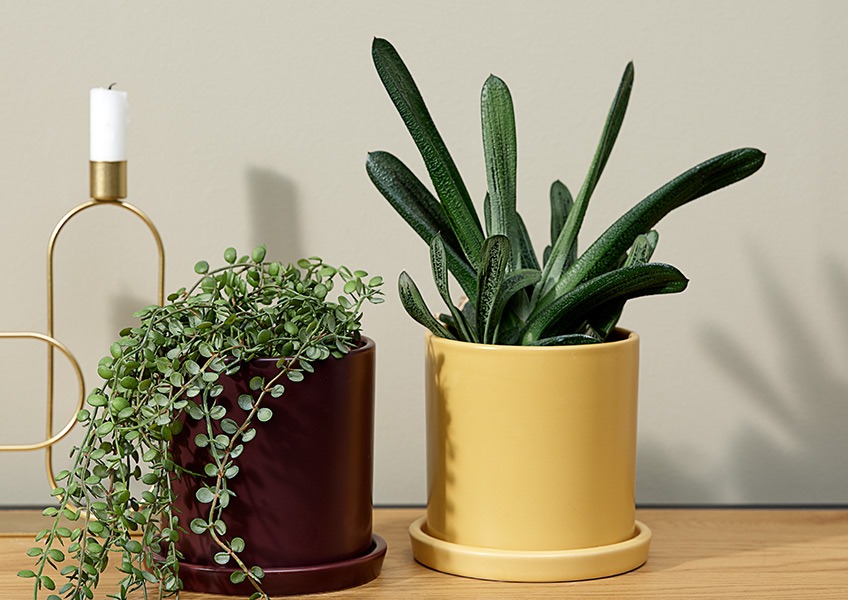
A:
(710, 554)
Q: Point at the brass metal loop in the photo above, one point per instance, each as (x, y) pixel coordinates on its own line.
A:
(52, 438)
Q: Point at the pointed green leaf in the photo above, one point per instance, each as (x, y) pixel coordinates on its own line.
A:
(518, 305)
(499, 150)
(643, 249)
(570, 339)
(568, 311)
(604, 320)
(561, 204)
(406, 193)
(438, 260)
(528, 255)
(487, 213)
(443, 172)
(410, 298)
(450, 324)
(417, 206)
(567, 239)
(494, 261)
(709, 176)
(469, 311)
(513, 282)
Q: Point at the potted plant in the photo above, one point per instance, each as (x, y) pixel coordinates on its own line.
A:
(531, 388)
(229, 447)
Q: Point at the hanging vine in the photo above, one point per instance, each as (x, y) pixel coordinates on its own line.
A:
(166, 370)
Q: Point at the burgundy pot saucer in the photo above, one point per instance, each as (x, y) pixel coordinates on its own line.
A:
(288, 581)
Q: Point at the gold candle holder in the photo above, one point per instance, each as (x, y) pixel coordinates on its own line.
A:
(51, 437)
(108, 187)
(108, 180)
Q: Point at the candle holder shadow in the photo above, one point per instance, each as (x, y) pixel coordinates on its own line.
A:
(108, 187)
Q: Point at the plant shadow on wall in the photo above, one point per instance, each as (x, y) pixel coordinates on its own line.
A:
(674, 482)
(125, 304)
(275, 212)
(440, 475)
(788, 452)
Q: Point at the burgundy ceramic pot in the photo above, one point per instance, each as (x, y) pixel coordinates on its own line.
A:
(303, 493)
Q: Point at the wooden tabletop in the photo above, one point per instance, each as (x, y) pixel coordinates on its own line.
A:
(710, 554)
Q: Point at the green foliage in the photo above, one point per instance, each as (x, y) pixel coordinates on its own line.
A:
(512, 299)
(166, 370)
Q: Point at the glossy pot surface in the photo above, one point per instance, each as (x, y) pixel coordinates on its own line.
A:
(531, 448)
(304, 489)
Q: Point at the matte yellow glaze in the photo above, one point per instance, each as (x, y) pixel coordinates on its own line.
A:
(531, 448)
(529, 565)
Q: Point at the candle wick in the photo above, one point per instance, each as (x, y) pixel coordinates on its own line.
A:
(113, 85)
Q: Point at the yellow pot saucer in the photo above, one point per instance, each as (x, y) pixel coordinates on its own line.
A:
(529, 565)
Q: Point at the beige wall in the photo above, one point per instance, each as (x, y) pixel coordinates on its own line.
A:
(251, 122)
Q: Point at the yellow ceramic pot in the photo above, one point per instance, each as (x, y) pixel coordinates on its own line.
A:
(531, 461)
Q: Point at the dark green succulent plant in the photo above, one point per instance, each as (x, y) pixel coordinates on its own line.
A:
(512, 298)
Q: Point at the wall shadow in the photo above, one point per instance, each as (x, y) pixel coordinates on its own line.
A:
(662, 472)
(275, 213)
(121, 309)
(786, 453)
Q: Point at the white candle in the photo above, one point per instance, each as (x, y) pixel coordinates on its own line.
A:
(109, 118)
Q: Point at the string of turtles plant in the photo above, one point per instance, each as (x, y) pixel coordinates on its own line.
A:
(166, 370)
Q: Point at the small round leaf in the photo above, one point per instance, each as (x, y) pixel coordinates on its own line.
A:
(204, 495)
(235, 576)
(258, 254)
(198, 526)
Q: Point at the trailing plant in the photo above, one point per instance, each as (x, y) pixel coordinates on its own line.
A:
(568, 298)
(118, 492)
